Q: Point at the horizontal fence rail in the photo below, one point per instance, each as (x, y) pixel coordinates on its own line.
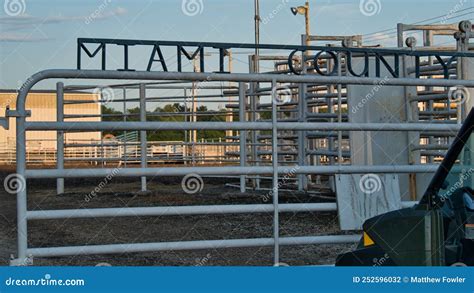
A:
(189, 245)
(70, 126)
(184, 210)
(230, 170)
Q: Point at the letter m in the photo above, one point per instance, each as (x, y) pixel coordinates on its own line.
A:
(82, 47)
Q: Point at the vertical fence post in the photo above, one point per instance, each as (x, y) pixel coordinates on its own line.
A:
(21, 198)
(60, 135)
(339, 110)
(302, 113)
(242, 133)
(466, 71)
(254, 135)
(276, 237)
(186, 132)
(254, 101)
(125, 140)
(143, 141)
(301, 147)
(330, 106)
(400, 29)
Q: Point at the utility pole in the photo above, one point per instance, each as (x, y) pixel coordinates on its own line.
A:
(306, 19)
(257, 36)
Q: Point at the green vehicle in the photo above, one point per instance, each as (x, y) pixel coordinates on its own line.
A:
(439, 230)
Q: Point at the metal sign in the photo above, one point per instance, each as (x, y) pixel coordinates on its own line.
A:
(197, 50)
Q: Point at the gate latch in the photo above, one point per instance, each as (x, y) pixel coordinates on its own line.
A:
(4, 121)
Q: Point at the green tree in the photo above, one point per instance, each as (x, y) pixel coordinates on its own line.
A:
(170, 113)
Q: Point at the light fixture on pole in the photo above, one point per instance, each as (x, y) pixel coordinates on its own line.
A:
(298, 10)
(303, 10)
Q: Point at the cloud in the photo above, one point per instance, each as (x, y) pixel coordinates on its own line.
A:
(33, 20)
(383, 39)
(13, 37)
(11, 24)
(339, 9)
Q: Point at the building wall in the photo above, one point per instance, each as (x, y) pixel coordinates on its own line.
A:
(43, 108)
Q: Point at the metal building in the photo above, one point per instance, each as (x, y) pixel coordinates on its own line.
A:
(41, 145)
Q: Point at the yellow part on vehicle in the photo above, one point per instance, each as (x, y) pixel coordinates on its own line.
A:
(367, 240)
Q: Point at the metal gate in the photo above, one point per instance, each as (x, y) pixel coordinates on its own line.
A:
(274, 171)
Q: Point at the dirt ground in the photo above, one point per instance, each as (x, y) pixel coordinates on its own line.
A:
(121, 192)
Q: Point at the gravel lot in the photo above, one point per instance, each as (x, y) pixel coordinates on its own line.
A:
(121, 192)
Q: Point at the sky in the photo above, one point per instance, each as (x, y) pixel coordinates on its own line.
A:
(41, 34)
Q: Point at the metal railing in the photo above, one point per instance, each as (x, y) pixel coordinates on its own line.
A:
(94, 151)
(273, 127)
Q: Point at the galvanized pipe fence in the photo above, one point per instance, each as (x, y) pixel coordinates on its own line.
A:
(244, 169)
